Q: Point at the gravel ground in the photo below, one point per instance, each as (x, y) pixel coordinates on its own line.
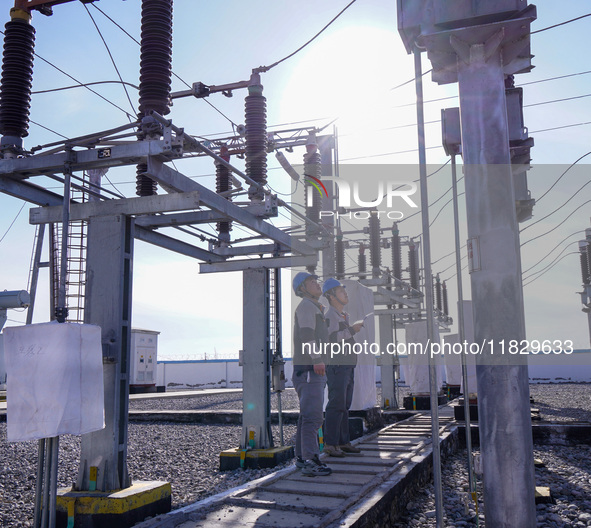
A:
(187, 456)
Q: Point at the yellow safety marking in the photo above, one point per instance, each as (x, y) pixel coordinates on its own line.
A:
(112, 503)
(92, 478)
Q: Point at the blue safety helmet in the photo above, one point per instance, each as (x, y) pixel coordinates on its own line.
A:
(299, 279)
(329, 284)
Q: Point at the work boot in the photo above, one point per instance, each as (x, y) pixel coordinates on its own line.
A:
(315, 468)
(349, 449)
(333, 451)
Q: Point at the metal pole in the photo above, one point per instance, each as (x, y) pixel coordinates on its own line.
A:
(46, 480)
(280, 417)
(35, 273)
(39, 485)
(497, 295)
(61, 314)
(462, 334)
(428, 292)
(54, 448)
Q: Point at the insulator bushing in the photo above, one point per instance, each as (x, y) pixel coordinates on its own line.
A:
(413, 267)
(156, 56)
(339, 247)
(438, 298)
(223, 184)
(255, 107)
(375, 249)
(17, 78)
(362, 262)
(445, 304)
(144, 185)
(396, 253)
(585, 267)
(589, 260)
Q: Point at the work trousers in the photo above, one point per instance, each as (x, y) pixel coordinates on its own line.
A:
(310, 389)
(340, 393)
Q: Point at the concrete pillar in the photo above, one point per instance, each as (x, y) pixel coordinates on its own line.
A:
(387, 362)
(325, 146)
(497, 297)
(108, 305)
(256, 395)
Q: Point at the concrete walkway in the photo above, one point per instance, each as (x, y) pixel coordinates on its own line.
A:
(368, 488)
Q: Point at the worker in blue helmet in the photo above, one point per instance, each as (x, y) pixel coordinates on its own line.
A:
(309, 373)
(339, 371)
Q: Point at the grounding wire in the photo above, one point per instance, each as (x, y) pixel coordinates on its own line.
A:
(557, 226)
(564, 256)
(112, 59)
(560, 177)
(558, 208)
(267, 68)
(12, 223)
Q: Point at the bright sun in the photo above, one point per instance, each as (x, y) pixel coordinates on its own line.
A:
(347, 75)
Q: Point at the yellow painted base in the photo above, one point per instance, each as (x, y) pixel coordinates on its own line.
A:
(115, 509)
(255, 458)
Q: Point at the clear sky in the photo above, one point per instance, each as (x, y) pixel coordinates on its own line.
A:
(348, 73)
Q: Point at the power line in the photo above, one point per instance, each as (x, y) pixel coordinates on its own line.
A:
(84, 85)
(389, 153)
(556, 227)
(12, 223)
(569, 168)
(267, 68)
(560, 127)
(557, 100)
(560, 24)
(555, 78)
(533, 280)
(79, 82)
(558, 208)
(552, 250)
(48, 129)
(410, 80)
(551, 263)
(222, 114)
(112, 59)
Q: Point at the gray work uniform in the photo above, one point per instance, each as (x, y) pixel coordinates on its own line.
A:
(309, 327)
(340, 377)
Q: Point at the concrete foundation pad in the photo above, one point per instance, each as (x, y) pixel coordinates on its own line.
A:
(233, 516)
(337, 477)
(255, 458)
(314, 486)
(115, 509)
(283, 500)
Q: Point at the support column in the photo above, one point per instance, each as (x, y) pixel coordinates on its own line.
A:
(495, 264)
(387, 362)
(326, 146)
(108, 305)
(256, 391)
